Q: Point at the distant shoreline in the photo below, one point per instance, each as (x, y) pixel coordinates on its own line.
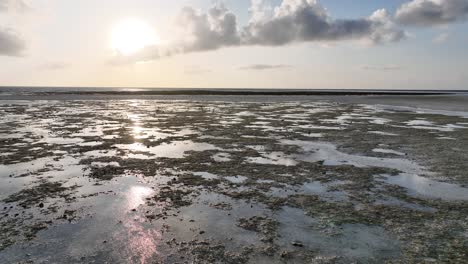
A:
(445, 100)
(245, 92)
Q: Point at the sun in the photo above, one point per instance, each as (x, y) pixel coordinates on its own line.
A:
(132, 35)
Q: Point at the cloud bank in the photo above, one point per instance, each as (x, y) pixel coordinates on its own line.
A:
(307, 20)
(199, 31)
(17, 5)
(293, 21)
(432, 12)
(3, 5)
(10, 43)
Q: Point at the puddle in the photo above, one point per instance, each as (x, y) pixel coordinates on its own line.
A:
(236, 179)
(428, 111)
(388, 151)
(61, 141)
(221, 157)
(89, 132)
(274, 158)
(383, 133)
(418, 185)
(318, 127)
(391, 201)
(113, 233)
(428, 125)
(90, 144)
(26, 167)
(101, 153)
(313, 135)
(327, 152)
(176, 149)
(447, 138)
(322, 190)
(216, 223)
(138, 156)
(355, 242)
(420, 123)
(206, 175)
(104, 164)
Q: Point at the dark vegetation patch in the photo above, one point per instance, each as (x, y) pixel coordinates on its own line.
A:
(27, 198)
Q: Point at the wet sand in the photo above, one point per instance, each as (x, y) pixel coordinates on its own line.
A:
(240, 179)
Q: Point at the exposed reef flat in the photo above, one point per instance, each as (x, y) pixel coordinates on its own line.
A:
(187, 181)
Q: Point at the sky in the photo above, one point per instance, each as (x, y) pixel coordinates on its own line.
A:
(317, 44)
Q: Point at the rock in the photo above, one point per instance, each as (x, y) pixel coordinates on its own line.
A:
(297, 244)
(41, 205)
(151, 216)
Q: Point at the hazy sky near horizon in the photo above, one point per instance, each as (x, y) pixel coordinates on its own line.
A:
(375, 44)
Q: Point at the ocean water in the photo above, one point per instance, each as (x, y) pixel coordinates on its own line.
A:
(448, 100)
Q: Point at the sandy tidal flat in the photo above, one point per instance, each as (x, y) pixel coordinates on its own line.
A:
(161, 181)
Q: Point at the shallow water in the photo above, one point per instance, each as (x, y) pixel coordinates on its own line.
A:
(326, 152)
(142, 181)
(176, 149)
(429, 188)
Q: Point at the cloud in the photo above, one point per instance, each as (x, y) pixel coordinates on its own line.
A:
(17, 5)
(213, 30)
(441, 38)
(194, 31)
(306, 20)
(432, 12)
(10, 43)
(54, 66)
(3, 5)
(382, 68)
(261, 67)
(291, 22)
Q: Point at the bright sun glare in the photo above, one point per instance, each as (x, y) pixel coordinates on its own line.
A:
(132, 35)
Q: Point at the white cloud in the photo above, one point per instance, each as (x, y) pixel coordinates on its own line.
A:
(291, 22)
(54, 65)
(13, 5)
(441, 38)
(432, 12)
(10, 43)
(206, 31)
(3, 5)
(262, 67)
(307, 20)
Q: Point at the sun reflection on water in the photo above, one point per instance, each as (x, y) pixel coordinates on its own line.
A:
(136, 196)
(142, 241)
